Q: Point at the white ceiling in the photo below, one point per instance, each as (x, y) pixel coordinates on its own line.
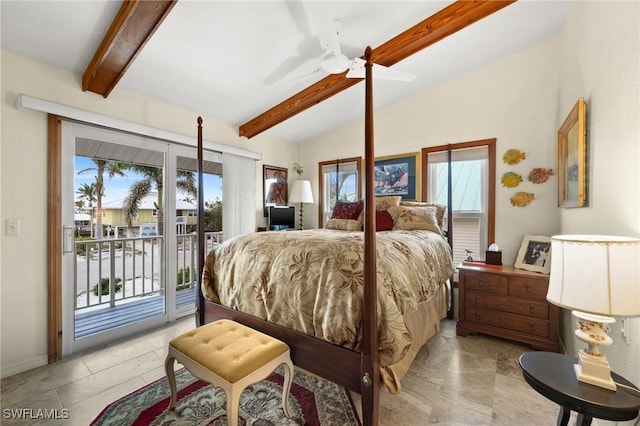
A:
(226, 59)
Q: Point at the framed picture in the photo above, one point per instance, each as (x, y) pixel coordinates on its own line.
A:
(535, 254)
(572, 158)
(398, 175)
(274, 180)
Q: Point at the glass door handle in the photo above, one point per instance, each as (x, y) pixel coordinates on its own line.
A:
(67, 239)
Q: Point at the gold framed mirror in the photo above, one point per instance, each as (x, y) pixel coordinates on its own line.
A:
(572, 158)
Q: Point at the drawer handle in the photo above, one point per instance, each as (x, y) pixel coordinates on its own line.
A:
(531, 309)
(477, 300)
(481, 282)
(532, 327)
(527, 287)
(477, 315)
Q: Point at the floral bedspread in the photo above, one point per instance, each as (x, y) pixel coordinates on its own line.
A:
(312, 281)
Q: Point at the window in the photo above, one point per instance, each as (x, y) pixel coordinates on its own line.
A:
(472, 195)
(338, 180)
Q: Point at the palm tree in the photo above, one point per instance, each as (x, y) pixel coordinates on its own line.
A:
(213, 215)
(335, 188)
(112, 168)
(152, 176)
(87, 194)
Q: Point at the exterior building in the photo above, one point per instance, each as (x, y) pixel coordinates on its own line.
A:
(145, 221)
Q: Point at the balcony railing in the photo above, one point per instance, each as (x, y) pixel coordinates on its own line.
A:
(114, 271)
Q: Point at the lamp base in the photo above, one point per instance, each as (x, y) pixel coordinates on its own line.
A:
(301, 220)
(593, 367)
(594, 370)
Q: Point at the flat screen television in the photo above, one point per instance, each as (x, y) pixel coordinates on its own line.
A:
(281, 218)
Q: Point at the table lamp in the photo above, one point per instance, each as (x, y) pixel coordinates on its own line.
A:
(301, 193)
(598, 277)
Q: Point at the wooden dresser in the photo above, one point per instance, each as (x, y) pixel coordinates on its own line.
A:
(509, 303)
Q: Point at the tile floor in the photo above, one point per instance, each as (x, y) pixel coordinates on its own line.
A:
(472, 380)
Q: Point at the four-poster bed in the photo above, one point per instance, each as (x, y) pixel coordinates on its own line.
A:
(357, 370)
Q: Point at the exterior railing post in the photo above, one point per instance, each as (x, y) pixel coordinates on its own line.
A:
(112, 275)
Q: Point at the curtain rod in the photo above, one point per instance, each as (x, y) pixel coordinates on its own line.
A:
(50, 107)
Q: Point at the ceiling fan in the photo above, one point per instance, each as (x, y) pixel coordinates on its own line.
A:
(334, 61)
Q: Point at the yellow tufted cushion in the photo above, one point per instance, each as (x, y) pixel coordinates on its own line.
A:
(229, 349)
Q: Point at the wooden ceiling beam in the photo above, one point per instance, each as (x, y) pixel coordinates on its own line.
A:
(130, 30)
(447, 21)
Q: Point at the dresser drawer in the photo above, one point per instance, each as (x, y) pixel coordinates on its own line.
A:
(528, 287)
(530, 325)
(486, 282)
(507, 304)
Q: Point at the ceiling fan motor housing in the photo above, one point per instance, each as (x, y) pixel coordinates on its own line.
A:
(335, 64)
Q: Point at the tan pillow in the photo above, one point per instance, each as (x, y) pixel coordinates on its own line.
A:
(385, 203)
(441, 209)
(344, 224)
(413, 218)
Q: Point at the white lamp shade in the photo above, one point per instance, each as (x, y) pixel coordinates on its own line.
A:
(301, 192)
(595, 274)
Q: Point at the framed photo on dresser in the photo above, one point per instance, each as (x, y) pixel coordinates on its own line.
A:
(534, 254)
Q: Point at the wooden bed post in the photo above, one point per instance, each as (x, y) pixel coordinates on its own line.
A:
(201, 241)
(370, 364)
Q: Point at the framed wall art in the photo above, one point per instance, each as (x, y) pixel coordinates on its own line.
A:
(398, 175)
(274, 181)
(534, 254)
(572, 158)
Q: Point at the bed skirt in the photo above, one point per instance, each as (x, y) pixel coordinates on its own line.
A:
(423, 323)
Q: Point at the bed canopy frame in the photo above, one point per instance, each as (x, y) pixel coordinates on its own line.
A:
(357, 371)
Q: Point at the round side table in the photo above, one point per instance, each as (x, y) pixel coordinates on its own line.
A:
(552, 376)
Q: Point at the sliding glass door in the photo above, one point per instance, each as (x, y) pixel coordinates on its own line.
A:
(130, 221)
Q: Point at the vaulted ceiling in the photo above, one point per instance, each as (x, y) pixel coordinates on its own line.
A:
(236, 60)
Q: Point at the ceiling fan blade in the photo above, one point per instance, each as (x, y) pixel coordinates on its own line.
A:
(306, 50)
(283, 70)
(379, 72)
(325, 26)
(298, 16)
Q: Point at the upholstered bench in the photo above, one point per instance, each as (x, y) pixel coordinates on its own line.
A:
(230, 356)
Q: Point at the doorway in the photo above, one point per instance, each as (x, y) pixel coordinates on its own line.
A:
(129, 269)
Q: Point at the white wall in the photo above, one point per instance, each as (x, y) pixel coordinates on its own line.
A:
(513, 100)
(23, 177)
(601, 63)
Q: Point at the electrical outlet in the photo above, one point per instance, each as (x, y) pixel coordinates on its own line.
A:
(12, 227)
(624, 330)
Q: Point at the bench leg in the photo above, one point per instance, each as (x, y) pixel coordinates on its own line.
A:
(233, 407)
(286, 387)
(171, 376)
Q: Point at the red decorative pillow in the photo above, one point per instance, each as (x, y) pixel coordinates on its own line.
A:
(347, 210)
(384, 221)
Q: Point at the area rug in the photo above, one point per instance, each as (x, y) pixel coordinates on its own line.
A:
(313, 401)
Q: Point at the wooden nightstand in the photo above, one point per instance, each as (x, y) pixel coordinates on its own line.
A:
(509, 303)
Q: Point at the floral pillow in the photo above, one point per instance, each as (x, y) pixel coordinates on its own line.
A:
(384, 221)
(412, 218)
(441, 210)
(347, 210)
(344, 224)
(385, 203)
